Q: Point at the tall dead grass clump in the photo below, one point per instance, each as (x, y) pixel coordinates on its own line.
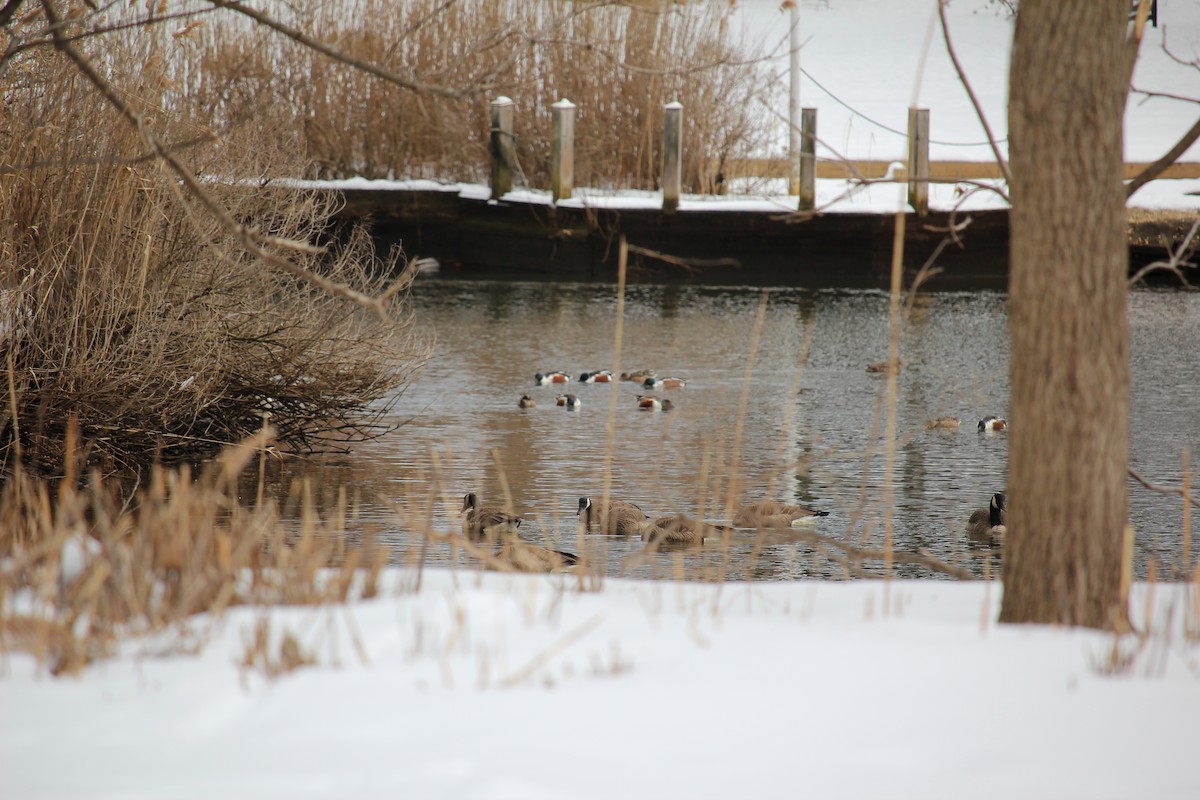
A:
(128, 308)
(81, 566)
(618, 62)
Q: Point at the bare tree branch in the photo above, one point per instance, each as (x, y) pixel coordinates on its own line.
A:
(252, 241)
(8, 11)
(1160, 166)
(6, 169)
(1154, 487)
(962, 77)
(1175, 261)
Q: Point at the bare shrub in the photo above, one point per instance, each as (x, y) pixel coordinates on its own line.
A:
(130, 309)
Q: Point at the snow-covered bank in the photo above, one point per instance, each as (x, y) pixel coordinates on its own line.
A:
(491, 686)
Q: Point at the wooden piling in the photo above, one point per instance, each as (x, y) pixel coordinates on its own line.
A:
(918, 159)
(808, 160)
(502, 146)
(672, 172)
(562, 157)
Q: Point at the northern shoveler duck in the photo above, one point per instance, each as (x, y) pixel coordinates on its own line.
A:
(993, 424)
(663, 383)
(547, 378)
(647, 403)
(987, 524)
(637, 377)
(527, 402)
(942, 422)
(486, 522)
(679, 529)
(568, 400)
(616, 517)
(774, 514)
(599, 376)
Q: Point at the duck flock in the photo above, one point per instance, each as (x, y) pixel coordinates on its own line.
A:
(491, 525)
(646, 378)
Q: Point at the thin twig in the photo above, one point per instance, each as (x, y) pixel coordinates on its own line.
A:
(962, 77)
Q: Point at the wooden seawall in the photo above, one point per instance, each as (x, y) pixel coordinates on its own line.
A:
(474, 238)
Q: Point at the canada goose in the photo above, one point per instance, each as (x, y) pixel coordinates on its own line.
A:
(547, 378)
(568, 400)
(663, 383)
(679, 529)
(486, 522)
(637, 377)
(527, 402)
(599, 376)
(942, 422)
(618, 517)
(774, 514)
(521, 556)
(992, 424)
(987, 524)
(647, 403)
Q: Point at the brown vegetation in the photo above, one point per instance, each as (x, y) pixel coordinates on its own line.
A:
(129, 308)
(79, 567)
(619, 63)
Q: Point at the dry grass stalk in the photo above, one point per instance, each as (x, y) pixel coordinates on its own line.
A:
(81, 565)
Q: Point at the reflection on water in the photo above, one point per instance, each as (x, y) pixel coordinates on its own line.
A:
(751, 423)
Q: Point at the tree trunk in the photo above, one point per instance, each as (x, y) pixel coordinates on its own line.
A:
(1067, 314)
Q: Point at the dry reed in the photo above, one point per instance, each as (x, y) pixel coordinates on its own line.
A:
(618, 62)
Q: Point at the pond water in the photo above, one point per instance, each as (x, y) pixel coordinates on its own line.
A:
(778, 404)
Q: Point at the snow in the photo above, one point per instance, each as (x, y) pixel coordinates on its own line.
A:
(487, 686)
(498, 686)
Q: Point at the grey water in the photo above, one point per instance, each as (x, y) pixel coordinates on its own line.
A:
(790, 412)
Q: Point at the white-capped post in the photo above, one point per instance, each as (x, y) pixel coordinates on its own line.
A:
(808, 160)
(502, 146)
(562, 157)
(672, 173)
(918, 159)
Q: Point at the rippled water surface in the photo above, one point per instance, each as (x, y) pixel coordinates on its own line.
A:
(797, 417)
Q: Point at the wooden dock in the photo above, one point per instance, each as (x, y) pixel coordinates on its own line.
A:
(479, 239)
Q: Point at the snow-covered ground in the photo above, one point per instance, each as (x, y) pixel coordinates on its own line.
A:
(493, 686)
(501, 687)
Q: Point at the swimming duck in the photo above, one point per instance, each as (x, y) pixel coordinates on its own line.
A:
(618, 517)
(569, 400)
(486, 522)
(993, 424)
(663, 383)
(946, 423)
(679, 529)
(988, 524)
(547, 378)
(599, 376)
(527, 402)
(637, 377)
(774, 514)
(647, 403)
